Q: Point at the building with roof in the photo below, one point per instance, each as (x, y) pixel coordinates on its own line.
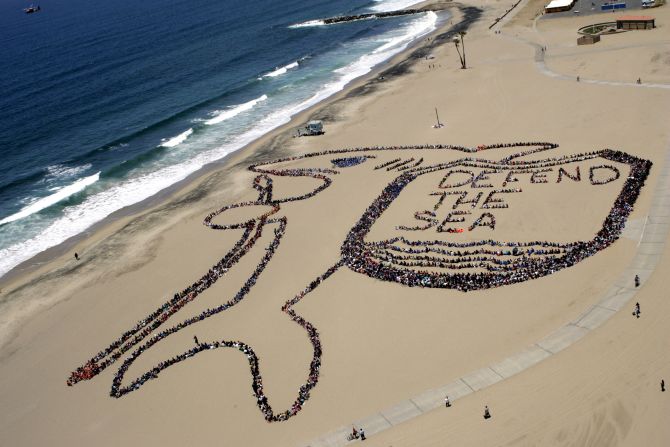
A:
(559, 5)
(635, 22)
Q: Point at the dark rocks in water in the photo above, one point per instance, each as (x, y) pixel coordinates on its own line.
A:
(375, 15)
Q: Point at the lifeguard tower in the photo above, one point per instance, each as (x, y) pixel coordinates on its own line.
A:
(314, 127)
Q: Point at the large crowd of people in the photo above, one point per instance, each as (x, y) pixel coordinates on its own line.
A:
(490, 260)
(395, 260)
(147, 326)
(347, 162)
(388, 163)
(361, 257)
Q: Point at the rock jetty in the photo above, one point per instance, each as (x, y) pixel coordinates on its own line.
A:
(376, 15)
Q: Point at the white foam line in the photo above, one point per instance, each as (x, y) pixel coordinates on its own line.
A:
(46, 202)
(63, 171)
(308, 24)
(94, 208)
(175, 141)
(234, 111)
(281, 71)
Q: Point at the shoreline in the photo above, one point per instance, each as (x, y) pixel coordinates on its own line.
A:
(266, 147)
(395, 66)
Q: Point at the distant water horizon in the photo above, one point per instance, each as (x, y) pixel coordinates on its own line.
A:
(105, 105)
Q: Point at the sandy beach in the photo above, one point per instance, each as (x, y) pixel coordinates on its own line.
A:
(382, 341)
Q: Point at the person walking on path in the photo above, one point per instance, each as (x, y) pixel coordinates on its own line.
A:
(636, 312)
(76, 256)
(447, 403)
(487, 413)
(663, 385)
(362, 433)
(195, 339)
(637, 280)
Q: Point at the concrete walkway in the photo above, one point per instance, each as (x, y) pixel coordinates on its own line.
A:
(653, 231)
(544, 69)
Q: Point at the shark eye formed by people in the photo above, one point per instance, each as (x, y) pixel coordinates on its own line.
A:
(445, 239)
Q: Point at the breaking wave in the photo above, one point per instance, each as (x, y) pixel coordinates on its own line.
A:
(308, 24)
(175, 141)
(142, 182)
(46, 202)
(224, 115)
(281, 71)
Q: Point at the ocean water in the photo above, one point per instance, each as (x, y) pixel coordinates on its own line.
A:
(103, 105)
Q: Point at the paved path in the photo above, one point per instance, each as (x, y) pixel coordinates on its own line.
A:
(542, 67)
(653, 232)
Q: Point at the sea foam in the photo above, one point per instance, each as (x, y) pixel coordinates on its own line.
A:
(46, 202)
(234, 111)
(282, 70)
(61, 171)
(308, 24)
(175, 141)
(78, 218)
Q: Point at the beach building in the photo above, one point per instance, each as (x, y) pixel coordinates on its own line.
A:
(315, 127)
(635, 22)
(559, 5)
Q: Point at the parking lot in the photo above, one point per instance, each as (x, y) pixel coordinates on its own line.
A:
(589, 7)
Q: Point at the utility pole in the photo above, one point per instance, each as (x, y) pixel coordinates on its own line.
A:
(439, 125)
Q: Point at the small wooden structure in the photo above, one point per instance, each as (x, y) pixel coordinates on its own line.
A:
(314, 127)
(635, 22)
(588, 39)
